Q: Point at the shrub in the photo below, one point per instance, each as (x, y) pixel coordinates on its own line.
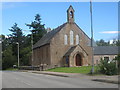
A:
(117, 58)
(107, 68)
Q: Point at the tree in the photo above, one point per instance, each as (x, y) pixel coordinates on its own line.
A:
(38, 29)
(9, 46)
(26, 53)
(5, 41)
(0, 52)
(8, 58)
(102, 43)
(17, 35)
(117, 58)
(118, 43)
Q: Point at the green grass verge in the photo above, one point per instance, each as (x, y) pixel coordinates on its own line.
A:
(11, 69)
(83, 69)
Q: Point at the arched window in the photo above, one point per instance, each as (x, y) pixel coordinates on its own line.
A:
(77, 39)
(71, 38)
(65, 39)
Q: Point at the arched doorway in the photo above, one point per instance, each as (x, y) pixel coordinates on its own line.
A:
(78, 60)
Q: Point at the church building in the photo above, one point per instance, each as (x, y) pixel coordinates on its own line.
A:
(65, 46)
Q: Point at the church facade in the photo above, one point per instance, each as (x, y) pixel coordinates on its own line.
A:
(67, 45)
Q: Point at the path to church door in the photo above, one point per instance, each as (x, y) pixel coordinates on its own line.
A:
(78, 60)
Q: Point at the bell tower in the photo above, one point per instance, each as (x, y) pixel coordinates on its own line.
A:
(70, 14)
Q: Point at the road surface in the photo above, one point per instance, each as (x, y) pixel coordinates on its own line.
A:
(32, 80)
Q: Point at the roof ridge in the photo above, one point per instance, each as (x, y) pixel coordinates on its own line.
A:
(106, 50)
(48, 36)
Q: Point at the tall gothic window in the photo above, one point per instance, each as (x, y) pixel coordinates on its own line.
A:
(71, 38)
(65, 39)
(77, 39)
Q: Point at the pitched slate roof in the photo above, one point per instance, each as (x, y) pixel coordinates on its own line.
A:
(106, 50)
(70, 51)
(47, 37)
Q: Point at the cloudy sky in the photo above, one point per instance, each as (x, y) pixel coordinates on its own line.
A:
(53, 14)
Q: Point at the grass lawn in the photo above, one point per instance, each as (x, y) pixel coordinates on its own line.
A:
(83, 69)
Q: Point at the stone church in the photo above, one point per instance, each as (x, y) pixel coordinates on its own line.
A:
(66, 45)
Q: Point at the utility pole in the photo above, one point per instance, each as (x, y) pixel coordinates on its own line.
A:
(92, 70)
(32, 45)
(18, 54)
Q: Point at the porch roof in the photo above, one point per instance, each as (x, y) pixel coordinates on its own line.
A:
(70, 51)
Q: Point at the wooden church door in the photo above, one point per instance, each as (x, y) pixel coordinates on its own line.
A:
(78, 60)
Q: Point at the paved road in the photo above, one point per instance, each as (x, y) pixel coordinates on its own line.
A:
(33, 80)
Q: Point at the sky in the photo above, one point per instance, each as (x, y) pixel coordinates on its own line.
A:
(53, 14)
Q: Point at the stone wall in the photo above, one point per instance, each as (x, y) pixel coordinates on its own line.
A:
(98, 57)
(52, 54)
(42, 56)
(58, 48)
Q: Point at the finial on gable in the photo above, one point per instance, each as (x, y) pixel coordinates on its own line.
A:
(70, 14)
